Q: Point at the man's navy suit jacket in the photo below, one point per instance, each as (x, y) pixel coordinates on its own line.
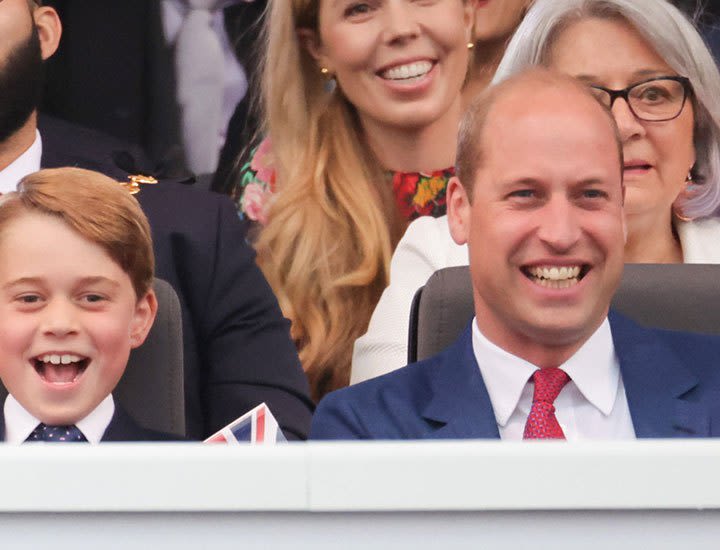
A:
(237, 348)
(122, 427)
(672, 382)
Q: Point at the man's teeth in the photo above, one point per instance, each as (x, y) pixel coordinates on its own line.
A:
(555, 277)
(64, 359)
(405, 72)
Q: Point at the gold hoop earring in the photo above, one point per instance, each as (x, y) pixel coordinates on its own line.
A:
(679, 216)
(686, 194)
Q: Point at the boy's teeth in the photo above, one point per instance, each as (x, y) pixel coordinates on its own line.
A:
(64, 359)
(411, 70)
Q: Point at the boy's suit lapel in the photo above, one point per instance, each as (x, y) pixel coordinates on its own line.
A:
(655, 381)
(460, 406)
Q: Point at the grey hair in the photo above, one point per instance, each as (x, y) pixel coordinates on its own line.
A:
(673, 37)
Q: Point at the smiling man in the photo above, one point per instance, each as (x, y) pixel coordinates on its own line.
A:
(539, 202)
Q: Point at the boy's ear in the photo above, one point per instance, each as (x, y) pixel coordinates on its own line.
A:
(143, 318)
(49, 27)
(310, 40)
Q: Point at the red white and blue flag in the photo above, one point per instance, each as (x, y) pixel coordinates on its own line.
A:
(257, 426)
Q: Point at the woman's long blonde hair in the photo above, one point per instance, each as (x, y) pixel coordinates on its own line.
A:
(332, 227)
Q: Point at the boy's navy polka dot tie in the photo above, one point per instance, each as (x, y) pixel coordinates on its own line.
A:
(57, 434)
(541, 422)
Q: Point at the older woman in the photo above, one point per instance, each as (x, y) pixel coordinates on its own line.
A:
(649, 65)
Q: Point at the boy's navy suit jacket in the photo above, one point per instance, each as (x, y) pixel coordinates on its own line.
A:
(672, 383)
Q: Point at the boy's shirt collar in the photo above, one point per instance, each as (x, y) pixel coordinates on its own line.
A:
(19, 423)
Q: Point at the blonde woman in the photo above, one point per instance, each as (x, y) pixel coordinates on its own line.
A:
(362, 101)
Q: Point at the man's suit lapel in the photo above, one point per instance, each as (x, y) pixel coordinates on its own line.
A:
(460, 406)
(655, 381)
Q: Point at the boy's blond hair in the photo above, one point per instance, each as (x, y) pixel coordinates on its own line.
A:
(96, 207)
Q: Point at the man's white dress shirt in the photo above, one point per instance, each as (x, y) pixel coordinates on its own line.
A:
(592, 405)
(25, 164)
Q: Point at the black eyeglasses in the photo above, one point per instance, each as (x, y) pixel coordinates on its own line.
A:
(653, 100)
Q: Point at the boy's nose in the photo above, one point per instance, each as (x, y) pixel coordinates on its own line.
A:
(59, 318)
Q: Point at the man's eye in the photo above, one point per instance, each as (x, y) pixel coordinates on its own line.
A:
(93, 298)
(594, 194)
(523, 193)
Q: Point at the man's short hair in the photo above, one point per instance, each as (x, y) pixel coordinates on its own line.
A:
(96, 207)
(470, 135)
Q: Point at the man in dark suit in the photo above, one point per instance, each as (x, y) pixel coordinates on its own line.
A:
(539, 201)
(237, 349)
(115, 72)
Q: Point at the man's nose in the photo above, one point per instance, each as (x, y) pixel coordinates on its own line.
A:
(627, 122)
(59, 318)
(400, 21)
(559, 225)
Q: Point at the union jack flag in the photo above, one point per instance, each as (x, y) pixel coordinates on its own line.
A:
(257, 426)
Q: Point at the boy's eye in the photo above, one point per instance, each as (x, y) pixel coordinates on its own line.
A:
(357, 8)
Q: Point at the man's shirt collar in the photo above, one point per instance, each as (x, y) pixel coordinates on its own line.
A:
(593, 369)
(25, 164)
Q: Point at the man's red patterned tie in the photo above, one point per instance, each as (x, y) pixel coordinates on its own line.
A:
(541, 422)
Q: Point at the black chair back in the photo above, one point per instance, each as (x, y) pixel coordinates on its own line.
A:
(670, 296)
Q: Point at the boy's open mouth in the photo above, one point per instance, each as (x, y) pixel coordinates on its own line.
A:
(63, 368)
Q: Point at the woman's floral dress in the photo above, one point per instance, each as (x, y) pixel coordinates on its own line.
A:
(416, 193)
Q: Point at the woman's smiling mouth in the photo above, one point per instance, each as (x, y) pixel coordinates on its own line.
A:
(408, 72)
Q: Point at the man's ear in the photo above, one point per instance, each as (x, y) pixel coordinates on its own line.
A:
(143, 318)
(458, 211)
(47, 22)
(310, 40)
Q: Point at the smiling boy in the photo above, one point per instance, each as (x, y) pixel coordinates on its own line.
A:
(76, 272)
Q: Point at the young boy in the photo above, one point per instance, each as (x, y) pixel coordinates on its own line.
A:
(76, 271)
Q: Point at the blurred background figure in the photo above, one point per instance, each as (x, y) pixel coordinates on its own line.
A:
(495, 23)
(166, 75)
(706, 15)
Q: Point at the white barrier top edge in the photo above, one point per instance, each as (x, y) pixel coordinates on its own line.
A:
(361, 476)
